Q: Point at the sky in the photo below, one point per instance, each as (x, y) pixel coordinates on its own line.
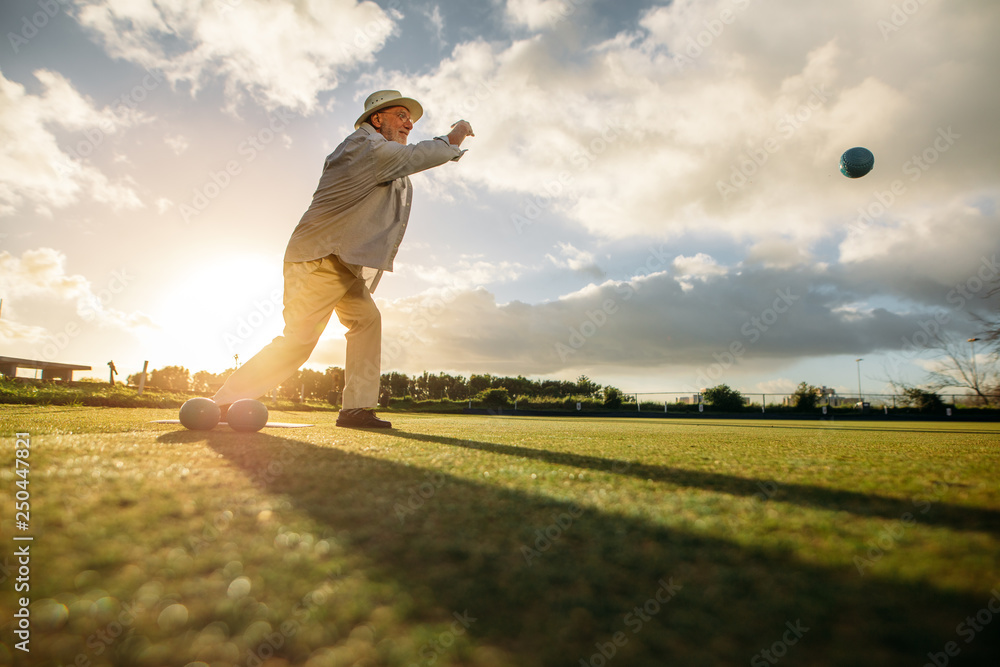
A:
(652, 197)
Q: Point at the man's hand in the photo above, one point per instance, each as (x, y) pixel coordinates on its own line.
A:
(459, 131)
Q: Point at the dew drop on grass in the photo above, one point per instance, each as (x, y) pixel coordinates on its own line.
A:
(173, 618)
(86, 579)
(49, 615)
(239, 588)
(233, 568)
(257, 632)
(104, 609)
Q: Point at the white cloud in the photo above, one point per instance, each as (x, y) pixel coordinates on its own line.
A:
(163, 205)
(436, 21)
(539, 14)
(779, 386)
(467, 273)
(34, 168)
(281, 54)
(926, 255)
(700, 266)
(41, 274)
(778, 253)
(617, 137)
(573, 258)
(682, 327)
(178, 143)
(635, 137)
(12, 333)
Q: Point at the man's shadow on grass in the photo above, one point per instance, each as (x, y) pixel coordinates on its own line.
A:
(556, 584)
(923, 509)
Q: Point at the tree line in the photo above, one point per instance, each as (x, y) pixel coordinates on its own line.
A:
(327, 385)
(957, 366)
(308, 384)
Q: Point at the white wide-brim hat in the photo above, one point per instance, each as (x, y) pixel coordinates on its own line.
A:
(390, 98)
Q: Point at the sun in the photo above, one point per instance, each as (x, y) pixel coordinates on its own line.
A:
(212, 311)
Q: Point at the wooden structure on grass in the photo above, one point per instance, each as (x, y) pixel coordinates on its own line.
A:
(50, 370)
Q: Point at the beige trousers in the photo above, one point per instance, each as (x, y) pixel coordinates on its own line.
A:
(313, 291)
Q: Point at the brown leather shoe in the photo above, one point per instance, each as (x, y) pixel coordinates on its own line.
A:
(361, 418)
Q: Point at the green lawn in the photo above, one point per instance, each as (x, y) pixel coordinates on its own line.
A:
(468, 540)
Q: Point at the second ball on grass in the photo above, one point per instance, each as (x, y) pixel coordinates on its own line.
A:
(199, 414)
(247, 415)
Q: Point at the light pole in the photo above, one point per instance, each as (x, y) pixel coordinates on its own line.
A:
(861, 397)
(975, 373)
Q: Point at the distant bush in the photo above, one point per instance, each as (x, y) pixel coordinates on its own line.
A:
(98, 394)
(924, 401)
(566, 403)
(613, 398)
(442, 405)
(498, 397)
(805, 397)
(723, 398)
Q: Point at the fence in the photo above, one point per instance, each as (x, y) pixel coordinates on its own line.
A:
(645, 401)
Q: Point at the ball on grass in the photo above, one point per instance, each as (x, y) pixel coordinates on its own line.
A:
(199, 414)
(856, 162)
(247, 415)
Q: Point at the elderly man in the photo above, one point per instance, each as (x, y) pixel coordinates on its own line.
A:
(338, 251)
